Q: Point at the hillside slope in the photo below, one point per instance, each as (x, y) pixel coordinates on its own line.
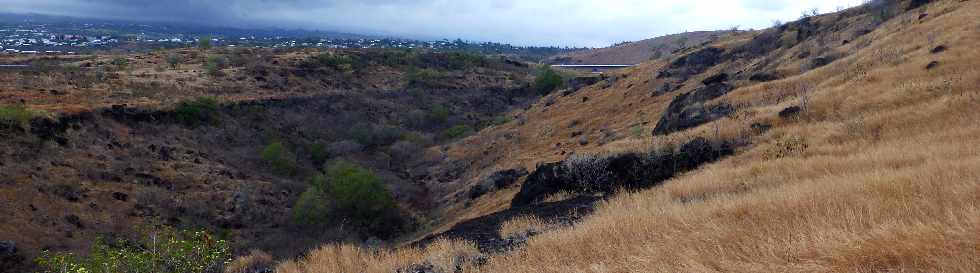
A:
(639, 51)
(855, 152)
(116, 146)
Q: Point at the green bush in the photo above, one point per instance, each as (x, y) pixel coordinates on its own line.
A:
(313, 207)
(204, 42)
(279, 158)
(548, 80)
(214, 65)
(199, 111)
(15, 116)
(457, 131)
(319, 153)
(166, 252)
(440, 114)
(350, 195)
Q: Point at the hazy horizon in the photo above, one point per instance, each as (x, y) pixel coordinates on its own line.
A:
(573, 23)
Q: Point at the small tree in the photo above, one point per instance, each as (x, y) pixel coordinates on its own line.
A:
(548, 80)
(352, 195)
(174, 60)
(204, 43)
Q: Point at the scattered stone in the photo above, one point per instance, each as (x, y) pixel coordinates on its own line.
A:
(583, 141)
(760, 128)
(120, 196)
(720, 78)
(10, 259)
(763, 77)
(75, 221)
(505, 178)
(932, 65)
(577, 133)
(477, 191)
(819, 62)
(938, 49)
(790, 112)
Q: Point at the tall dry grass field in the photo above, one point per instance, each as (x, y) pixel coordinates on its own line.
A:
(887, 178)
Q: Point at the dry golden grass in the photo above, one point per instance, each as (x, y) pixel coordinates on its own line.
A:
(523, 225)
(889, 180)
(443, 256)
(253, 262)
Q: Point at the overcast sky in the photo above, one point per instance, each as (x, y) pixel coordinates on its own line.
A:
(593, 23)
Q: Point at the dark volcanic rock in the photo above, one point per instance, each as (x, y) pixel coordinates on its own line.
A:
(720, 78)
(762, 77)
(505, 178)
(938, 49)
(627, 171)
(917, 3)
(694, 63)
(790, 112)
(932, 65)
(688, 110)
(10, 259)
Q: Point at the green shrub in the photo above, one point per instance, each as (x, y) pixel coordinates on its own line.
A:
(457, 131)
(166, 252)
(350, 195)
(174, 60)
(548, 80)
(214, 65)
(319, 153)
(279, 158)
(199, 111)
(440, 114)
(313, 207)
(204, 42)
(15, 116)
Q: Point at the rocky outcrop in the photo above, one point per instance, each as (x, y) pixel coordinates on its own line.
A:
(10, 259)
(496, 181)
(609, 174)
(693, 64)
(689, 110)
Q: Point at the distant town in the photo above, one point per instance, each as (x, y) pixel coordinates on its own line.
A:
(21, 34)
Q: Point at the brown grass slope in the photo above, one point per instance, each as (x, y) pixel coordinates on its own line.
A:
(639, 51)
(887, 178)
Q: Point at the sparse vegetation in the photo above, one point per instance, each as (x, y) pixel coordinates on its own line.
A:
(548, 80)
(163, 252)
(352, 196)
(279, 158)
(15, 116)
(457, 131)
(203, 110)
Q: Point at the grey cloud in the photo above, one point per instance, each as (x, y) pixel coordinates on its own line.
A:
(535, 22)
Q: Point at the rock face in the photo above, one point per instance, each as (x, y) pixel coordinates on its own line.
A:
(10, 260)
(790, 112)
(607, 175)
(688, 110)
(694, 63)
(498, 180)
